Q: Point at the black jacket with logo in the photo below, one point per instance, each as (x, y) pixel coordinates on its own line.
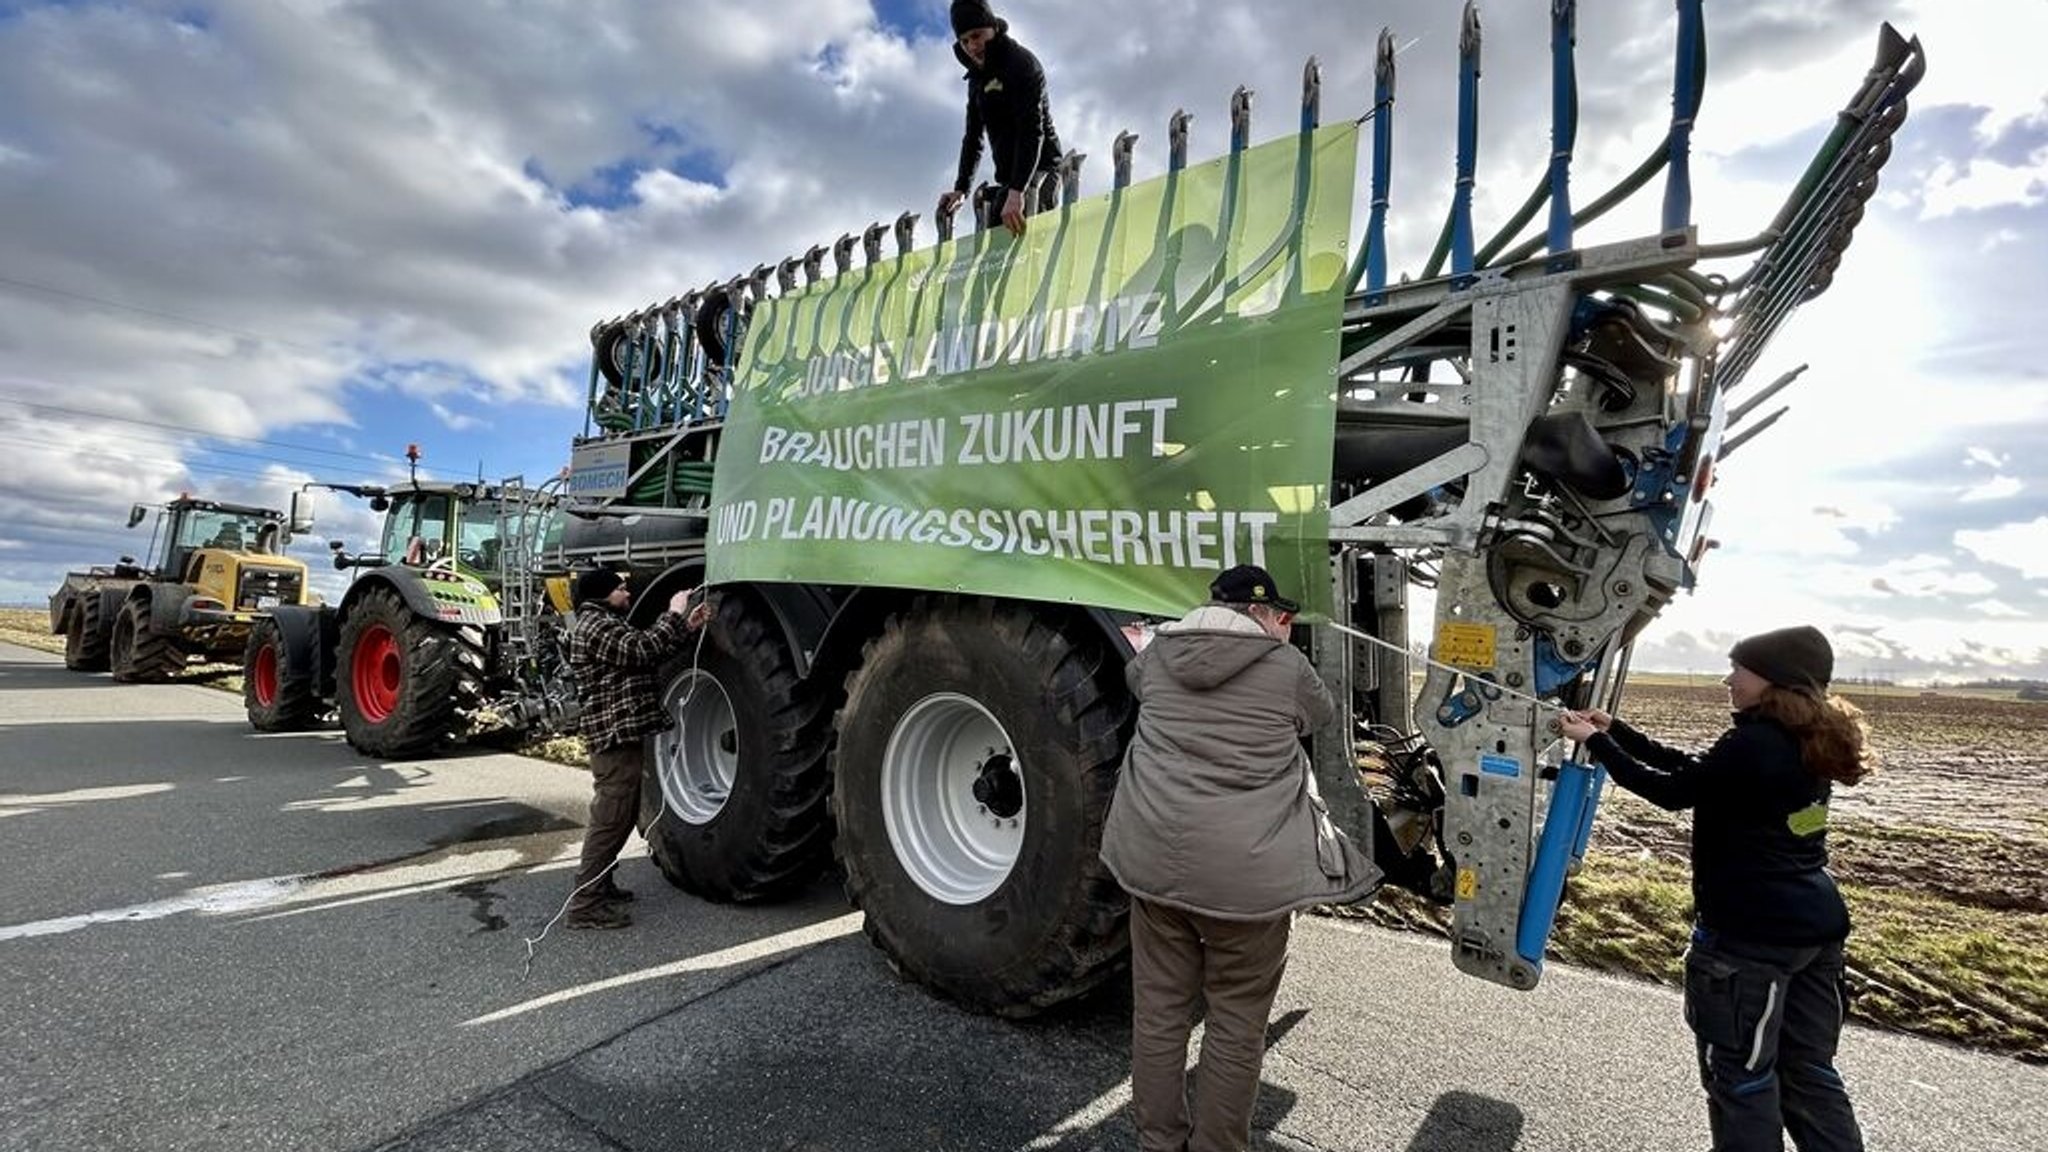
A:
(1759, 827)
(1006, 97)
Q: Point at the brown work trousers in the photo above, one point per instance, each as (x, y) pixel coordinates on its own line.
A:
(1180, 959)
(615, 777)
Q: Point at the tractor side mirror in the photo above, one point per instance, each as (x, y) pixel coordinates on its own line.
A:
(136, 514)
(301, 513)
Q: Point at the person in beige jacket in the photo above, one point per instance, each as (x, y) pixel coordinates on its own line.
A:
(1218, 834)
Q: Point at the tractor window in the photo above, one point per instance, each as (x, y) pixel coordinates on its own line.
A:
(206, 528)
(433, 526)
(477, 547)
(419, 517)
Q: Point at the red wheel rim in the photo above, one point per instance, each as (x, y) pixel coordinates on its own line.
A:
(375, 674)
(263, 678)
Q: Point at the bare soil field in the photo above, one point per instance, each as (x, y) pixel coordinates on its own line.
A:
(1942, 855)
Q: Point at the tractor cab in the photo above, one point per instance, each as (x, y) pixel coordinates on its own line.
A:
(448, 525)
(187, 528)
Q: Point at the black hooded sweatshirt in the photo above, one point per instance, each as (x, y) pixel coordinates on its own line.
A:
(1759, 827)
(1006, 97)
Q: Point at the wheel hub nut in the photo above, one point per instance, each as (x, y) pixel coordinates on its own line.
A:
(998, 788)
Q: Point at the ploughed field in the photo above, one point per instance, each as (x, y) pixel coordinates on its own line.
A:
(1942, 855)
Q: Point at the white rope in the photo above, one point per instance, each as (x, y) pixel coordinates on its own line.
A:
(1392, 647)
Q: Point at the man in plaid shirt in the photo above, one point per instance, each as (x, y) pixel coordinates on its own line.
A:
(617, 668)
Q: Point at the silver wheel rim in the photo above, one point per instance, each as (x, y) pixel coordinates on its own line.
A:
(698, 760)
(951, 845)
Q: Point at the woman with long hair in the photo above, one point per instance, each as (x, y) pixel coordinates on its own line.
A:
(1763, 978)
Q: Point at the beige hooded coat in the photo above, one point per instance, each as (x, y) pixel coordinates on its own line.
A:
(1216, 811)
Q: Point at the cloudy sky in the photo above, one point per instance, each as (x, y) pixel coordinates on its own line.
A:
(248, 243)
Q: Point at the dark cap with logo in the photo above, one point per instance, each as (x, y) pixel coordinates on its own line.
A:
(1250, 584)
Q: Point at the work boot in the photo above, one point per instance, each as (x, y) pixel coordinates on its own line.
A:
(598, 916)
(608, 890)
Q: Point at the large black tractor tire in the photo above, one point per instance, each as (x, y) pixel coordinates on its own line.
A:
(276, 699)
(138, 655)
(964, 716)
(405, 686)
(86, 641)
(734, 803)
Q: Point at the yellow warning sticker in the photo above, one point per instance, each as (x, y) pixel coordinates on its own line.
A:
(1466, 645)
(1468, 883)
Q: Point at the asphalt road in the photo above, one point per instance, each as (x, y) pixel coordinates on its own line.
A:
(211, 939)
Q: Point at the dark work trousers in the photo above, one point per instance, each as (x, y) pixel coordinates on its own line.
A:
(615, 777)
(1178, 960)
(1766, 1019)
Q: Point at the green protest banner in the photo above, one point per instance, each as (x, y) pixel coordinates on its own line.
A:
(1134, 396)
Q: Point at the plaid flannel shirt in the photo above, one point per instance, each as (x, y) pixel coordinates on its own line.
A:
(617, 669)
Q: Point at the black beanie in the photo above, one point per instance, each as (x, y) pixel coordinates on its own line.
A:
(971, 14)
(596, 584)
(1789, 657)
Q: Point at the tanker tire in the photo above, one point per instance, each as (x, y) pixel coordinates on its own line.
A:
(615, 348)
(85, 642)
(138, 655)
(276, 700)
(772, 835)
(1053, 927)
(421, 683)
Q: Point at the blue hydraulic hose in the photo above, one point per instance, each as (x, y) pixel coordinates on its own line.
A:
(1564, 121)
(1468, 144)
(1571, 800)
(1371, 264)
(1585, 835)
(1685, 106)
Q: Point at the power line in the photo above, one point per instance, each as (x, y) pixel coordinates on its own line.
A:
(103, 302)
(158, 461)
(213, 451)
(187, 429)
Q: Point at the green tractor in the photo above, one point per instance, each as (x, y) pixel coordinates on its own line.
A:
(421, 651)
(213, 570)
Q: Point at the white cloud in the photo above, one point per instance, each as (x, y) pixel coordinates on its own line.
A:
(1986, 457)
(2000, 238)
(2021, 546)
(1996, 488)
(1915, 576)
(1982, 183)
(1999, 608)
(456, 420)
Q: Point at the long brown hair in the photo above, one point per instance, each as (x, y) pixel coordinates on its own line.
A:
(1833, 740)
